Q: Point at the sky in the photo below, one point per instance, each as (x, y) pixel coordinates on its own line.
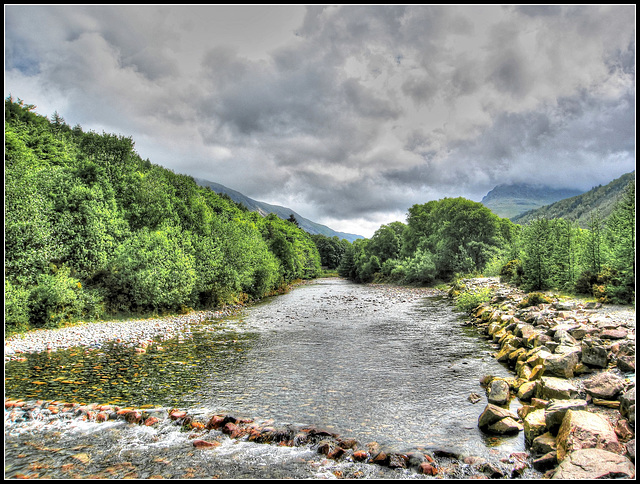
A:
(348, 115)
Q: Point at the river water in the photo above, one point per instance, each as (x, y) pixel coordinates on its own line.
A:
(374, 363)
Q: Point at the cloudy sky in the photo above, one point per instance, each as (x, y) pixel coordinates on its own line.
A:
(347, 114)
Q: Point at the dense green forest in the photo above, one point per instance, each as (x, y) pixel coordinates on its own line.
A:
(453, 237)
(92, 230)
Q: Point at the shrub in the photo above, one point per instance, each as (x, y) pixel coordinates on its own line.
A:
(534, 299)
(16, 307)
(511, 271)
(59, 298)
(467, 301)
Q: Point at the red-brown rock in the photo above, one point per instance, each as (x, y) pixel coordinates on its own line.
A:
(205, 444)
(360, 455)
(428, 469)
(215, 422)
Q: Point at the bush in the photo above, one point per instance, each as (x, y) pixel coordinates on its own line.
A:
(534, 299)
(16, 307)
(59, 298)
(467, 301)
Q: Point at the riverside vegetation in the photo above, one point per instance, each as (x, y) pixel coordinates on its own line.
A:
(92, 230)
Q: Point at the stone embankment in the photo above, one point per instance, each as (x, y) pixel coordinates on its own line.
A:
(574, 373)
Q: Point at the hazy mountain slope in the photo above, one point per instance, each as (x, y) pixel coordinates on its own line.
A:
(283, 212)
(511, 200)
(580, 208)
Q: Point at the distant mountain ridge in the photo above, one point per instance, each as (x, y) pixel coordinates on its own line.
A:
(511, 200)
(265, 209)
(579, 208)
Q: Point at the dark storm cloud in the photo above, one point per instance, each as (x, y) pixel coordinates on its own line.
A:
(344, 112)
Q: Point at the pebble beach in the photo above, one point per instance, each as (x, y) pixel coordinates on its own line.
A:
(134, 333)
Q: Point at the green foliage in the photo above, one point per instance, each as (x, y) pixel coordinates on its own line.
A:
(330, 249)
(128, 235)
(16, 306)
(59, 297)
(468, 300)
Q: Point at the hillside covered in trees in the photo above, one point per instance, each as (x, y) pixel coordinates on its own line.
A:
(91, 230)
(598, 202)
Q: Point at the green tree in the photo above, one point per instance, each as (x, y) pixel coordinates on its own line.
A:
(535, 256)
(620, 233)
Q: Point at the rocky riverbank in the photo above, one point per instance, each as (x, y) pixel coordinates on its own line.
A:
(138, 333)
(574, 372)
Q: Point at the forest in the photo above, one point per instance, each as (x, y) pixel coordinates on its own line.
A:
(94, 231)
(455, 237)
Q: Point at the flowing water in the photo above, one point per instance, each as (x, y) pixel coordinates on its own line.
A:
(369, 362)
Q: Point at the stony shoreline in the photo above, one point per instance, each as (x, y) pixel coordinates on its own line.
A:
(574, 366)
(134, 333)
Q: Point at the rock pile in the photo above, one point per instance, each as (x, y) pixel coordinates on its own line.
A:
(574, 366)
(208, 432)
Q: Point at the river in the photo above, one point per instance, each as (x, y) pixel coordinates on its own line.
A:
(375, 363)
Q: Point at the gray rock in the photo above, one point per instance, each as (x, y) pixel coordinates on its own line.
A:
(594, 464)
(585, 430)
(594, 353)
(557, 409)
(492, 414)
(556, 388)
(505, 426)
(498, 392)
(605, 385)
(628, 405)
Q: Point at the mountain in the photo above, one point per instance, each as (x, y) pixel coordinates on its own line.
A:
(580, 208)
(265, 209)
(509, 201)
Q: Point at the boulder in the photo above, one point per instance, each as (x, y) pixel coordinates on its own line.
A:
(628, 405)
(505, 426)
(626, 364)
(527, 391)
(594, 353)
(498, 392)
(585, 430)
(534, 425)
(556, 388)
(594, 464)
(492, 414)
(543, 444)
(557, 409)
(604, 385)
(618, 333)
(563, 362)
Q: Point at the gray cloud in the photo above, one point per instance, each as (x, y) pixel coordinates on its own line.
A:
(350, 114)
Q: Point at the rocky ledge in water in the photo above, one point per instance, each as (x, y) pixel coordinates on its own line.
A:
(208, 432)
(574, 365)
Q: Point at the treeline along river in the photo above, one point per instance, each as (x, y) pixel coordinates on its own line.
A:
(374, 363)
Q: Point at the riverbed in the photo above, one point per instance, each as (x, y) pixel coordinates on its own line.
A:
(374, 363)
